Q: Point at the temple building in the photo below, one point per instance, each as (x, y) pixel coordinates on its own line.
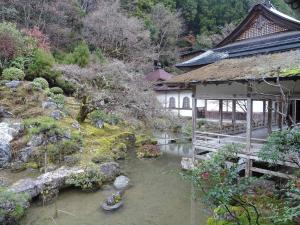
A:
(258, 63)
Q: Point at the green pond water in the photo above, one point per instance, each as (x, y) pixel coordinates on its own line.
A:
(159, 196)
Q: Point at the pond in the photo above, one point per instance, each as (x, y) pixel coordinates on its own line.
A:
(159, 196)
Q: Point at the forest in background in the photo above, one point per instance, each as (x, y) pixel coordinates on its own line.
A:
(124, 24)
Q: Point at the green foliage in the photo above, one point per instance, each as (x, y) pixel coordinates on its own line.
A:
(222, 187)
(49, 128)
(100, 55)
(222, 213)
(19, 62)
(67, 86)
(41, 65)
(290, 72)
(90, 179)
(101, 115)
(17, 202)
(281, 144)
(13, 73)
(291, 209)
(57, 151)
(203, 16)
(43, 125)
(59, 99)
(80, 55)
(40, 83)
(56, 90)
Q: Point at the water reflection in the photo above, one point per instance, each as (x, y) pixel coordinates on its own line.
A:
(159, 197)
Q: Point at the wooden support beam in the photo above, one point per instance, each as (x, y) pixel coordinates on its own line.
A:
(249, 135)
(194, 121)
(233, 113)
(179, 107)
(221, 114)
(279, 121)
(294, 111)
(270, 116)
(264, 112)
(205, 107)
(273, 173)
(275, 111)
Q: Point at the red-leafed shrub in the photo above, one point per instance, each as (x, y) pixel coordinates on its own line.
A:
(41, 39)
(11, 43)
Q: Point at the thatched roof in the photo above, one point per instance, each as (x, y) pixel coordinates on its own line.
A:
(256, 67)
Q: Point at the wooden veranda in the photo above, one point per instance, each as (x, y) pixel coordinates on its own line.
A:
(206, 142)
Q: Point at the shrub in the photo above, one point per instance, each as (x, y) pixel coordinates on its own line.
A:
(41, 39)
(40, 83)
(62, 148)
(45, 125)
(101, 115)
(80, 55)
(12, 43)
(13, 73)
(17, 204)
(100, 55)
(67, 86)
(59, 99)
(41, 65)
(56, 90)
(18, 62)
(91, 179)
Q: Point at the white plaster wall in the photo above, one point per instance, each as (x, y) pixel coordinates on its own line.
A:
(186, 113)
(212, 105)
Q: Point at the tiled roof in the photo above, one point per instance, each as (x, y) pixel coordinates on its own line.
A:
(158, 75)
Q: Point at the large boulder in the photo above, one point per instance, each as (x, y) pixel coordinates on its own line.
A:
(24, 154)
(54, 180)
(110, 170)
(5, 113)
(7, 133)
(187, 163)
(35, 141)
(121, 182)
(57, 114)
(5, 154)
(13, 84)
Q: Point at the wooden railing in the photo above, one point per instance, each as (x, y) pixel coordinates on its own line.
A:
(213, 141)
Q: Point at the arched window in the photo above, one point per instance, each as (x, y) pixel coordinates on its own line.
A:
(186, 103)
(172, 103)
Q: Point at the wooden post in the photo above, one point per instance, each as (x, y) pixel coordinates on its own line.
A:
(280, 115)
(264, 112)
(194, 118)
(233, 113)
(249, 134)
(275, 112)
(179, 103)
(295, 111)
(166, 101)
(221, 114)
(205, 107)
(270, 116)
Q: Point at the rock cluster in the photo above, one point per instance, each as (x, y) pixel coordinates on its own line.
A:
(50, 183)
(7, 133)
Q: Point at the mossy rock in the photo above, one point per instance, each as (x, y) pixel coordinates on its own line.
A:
(145, 140)
(148, 151)
(32, 165)
(101, 158)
